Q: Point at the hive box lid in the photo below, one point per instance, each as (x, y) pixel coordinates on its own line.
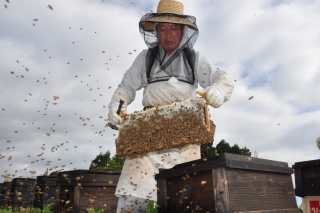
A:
(47, 180)
(87, 177)
(226, 160)
(22, 181)
(307, 163)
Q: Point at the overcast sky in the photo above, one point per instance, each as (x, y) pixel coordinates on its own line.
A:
(80, 50)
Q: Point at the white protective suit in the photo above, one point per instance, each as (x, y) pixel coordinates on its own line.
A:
(137, 176)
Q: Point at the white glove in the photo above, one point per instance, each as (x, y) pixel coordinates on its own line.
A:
(113, 117)
(214, 95)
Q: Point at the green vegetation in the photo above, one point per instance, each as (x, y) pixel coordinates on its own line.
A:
(207, 150)
(95, 210)
(106, 163)
(46, 209)
(152, 207)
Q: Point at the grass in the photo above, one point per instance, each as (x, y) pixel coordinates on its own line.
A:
(46, 209)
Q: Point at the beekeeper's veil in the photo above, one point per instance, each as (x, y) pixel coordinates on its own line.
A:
(170, 11)
(180, 64)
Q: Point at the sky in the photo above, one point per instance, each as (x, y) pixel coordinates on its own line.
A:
(80, 49)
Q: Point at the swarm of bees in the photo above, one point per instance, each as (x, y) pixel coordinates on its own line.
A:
(156, 129)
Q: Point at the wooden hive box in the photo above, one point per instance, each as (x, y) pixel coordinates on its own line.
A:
(22, 192)
(80, 190)
(5, 198)
(307, 178)
(46, 191)
(227, 183)
(1, 194)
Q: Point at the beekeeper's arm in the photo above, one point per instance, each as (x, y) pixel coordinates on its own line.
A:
(126, 91)
(217, 85)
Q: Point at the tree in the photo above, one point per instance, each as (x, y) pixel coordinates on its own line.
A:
(100, 160)
(207, 150)
(54, 173)
(106, 163)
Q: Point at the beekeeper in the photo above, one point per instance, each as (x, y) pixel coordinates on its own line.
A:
(168, 71)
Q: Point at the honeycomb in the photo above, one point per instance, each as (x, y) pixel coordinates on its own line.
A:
(172, 126)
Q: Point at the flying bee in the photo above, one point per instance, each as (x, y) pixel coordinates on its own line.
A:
(50, 7)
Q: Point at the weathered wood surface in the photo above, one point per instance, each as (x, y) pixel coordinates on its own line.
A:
(1, 194)
(80, 190)
(221, 190)
(230, 183)
(307, 178)
(22, 191)
(201, 196)
(257, 191)
(46, 191)
(5, 199)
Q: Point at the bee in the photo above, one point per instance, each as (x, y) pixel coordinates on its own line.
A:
(48, 134)
(75, 147)
(251, 97)
(50, 7)
(27, 69)
(203, 182)
(55, 97)
(5, 6)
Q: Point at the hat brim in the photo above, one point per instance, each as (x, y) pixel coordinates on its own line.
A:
(148, 24)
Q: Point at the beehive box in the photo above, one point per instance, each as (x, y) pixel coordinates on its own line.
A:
(5, 199)
(1, 194)
(227, 183)
(80, 190)
(46, 191)
(22, 191)
(307, 178)
(172, 126)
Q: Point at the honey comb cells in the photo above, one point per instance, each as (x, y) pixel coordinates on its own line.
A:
(173, 126)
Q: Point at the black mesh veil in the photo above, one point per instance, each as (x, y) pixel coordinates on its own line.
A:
(181, 62)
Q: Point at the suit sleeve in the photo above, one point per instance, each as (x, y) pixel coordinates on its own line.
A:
(208, 74)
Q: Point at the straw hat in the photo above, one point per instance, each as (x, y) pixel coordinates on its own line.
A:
(170, 11)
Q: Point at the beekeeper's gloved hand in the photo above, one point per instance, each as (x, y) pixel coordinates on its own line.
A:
(214, 95)
(113, 117)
